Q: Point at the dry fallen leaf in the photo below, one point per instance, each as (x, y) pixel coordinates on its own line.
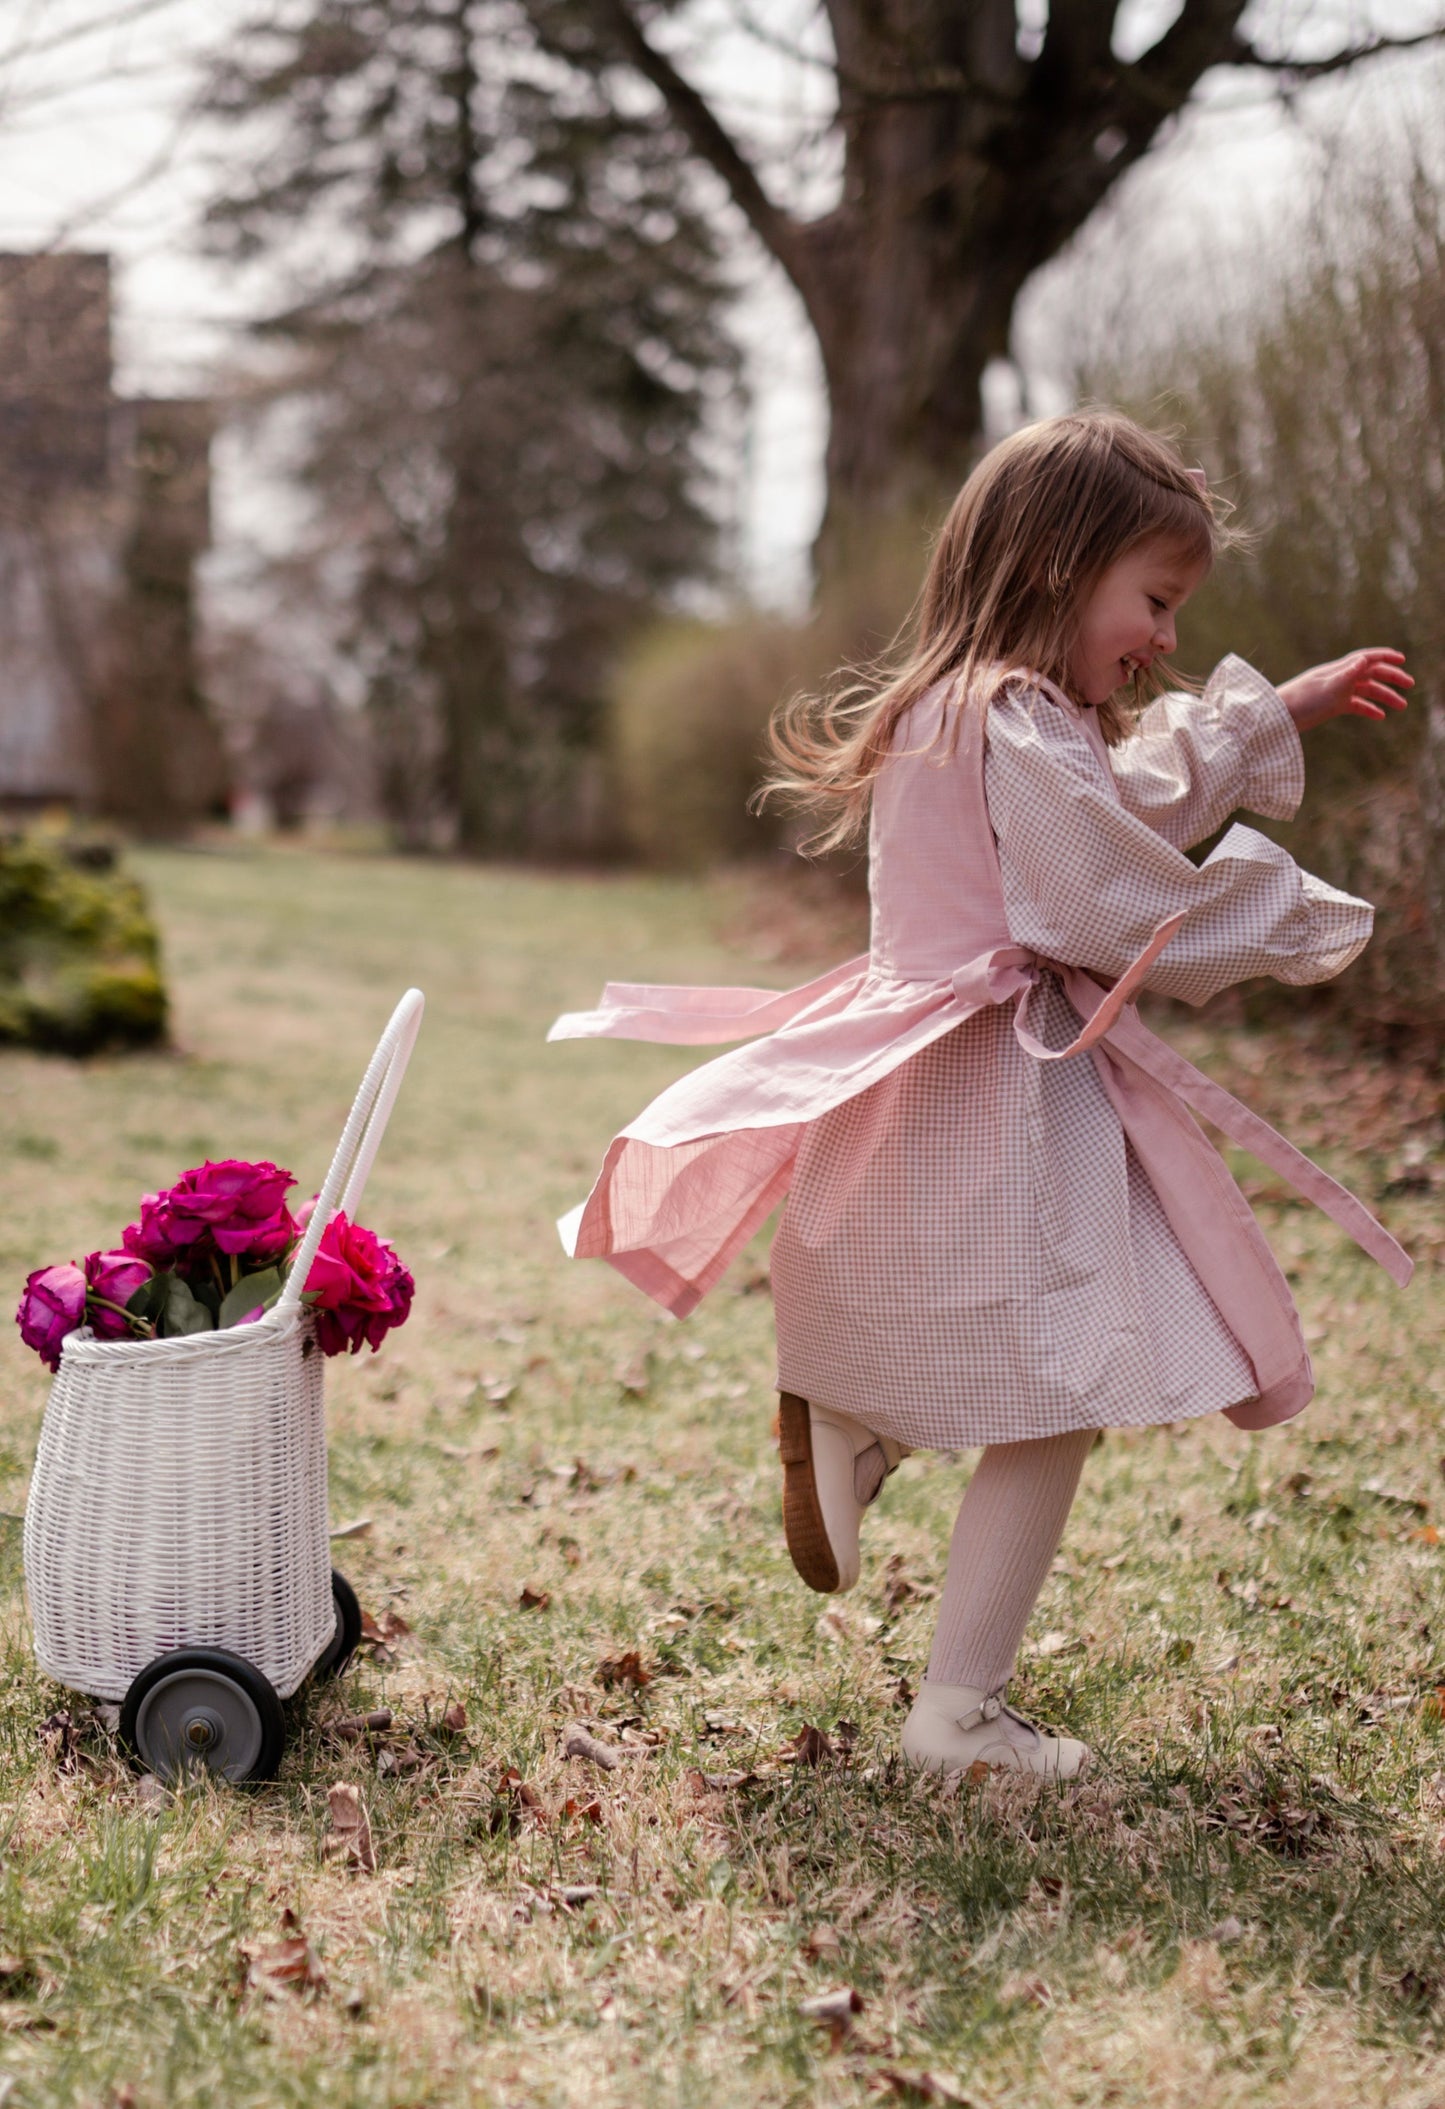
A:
(833, 2011)
(810, 1746)
(60, 1733)
(626, 1670)
(379, 1635)
(534, 1599)
(350, 1827)
(822, 1942)
(287, 1964)
(360, 1529)
(587, 1811)
(517, 1802)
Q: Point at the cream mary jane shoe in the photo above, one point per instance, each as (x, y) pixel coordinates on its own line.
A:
(953, 1726)
(825, 1460)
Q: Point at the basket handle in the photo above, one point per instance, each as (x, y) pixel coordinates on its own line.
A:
(345, 1182)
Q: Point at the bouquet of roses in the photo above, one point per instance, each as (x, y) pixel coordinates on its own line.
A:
(214, 1250)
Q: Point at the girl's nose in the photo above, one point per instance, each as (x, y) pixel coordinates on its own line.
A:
(1165, 638)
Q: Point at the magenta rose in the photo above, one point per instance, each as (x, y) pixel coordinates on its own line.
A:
(237, 1207)
(112, 1278)
(153, 1238)
(52, 1305)
(357, 1286)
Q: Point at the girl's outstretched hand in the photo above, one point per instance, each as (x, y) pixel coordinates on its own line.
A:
(1357, 685)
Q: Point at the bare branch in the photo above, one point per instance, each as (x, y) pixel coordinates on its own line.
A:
(1292, 71)
(1078, 40)
(1203, 34)
(774, 227)
(109, 18)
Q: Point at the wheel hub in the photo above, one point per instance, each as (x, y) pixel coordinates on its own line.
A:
(202, 1730)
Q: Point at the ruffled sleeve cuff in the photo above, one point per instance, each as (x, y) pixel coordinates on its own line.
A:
(1251, 711)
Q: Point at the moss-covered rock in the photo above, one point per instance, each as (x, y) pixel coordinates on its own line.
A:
(80, 964)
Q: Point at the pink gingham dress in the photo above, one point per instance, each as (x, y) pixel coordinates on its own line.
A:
(1002, 1221)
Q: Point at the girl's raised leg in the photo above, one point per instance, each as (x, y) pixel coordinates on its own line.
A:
(1009, 1526)
(833, 1467)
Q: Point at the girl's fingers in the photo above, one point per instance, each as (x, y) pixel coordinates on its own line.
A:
(1379, 693)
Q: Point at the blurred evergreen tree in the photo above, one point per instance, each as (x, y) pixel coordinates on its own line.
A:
(508, 310)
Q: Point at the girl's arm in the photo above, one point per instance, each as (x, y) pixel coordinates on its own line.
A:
(1088, 882)
(1193, 760)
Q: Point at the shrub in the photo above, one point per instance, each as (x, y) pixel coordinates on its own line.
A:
(688, 729)
(690, 706)
(79, 955)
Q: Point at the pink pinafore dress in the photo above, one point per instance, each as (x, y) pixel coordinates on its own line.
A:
(1002, 1220)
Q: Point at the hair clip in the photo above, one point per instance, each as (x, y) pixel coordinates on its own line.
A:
(1199, 477)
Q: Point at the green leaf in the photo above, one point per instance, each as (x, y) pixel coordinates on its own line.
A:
(149, 1299)
(207, 1293)
(250, 1290)
(181, 1313)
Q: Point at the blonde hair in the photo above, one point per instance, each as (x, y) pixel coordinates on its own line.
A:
(1037, 524)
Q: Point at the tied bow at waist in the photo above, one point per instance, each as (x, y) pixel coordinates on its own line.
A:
(1113, 1026)
(851, 1019)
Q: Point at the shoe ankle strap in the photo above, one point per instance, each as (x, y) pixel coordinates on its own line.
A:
(995, 1707)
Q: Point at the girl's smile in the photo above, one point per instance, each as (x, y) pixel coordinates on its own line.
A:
(1127, 620)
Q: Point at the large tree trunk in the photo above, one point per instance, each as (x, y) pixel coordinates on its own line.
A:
(969, 160)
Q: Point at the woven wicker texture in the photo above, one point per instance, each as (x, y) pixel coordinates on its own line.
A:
(179, 1492)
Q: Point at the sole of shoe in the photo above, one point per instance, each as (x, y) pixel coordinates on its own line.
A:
(803, 1526)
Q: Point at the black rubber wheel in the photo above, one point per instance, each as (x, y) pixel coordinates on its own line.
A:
(344, 1641)
(202, 1709)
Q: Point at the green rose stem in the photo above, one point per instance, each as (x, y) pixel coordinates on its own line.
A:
(140, 1325)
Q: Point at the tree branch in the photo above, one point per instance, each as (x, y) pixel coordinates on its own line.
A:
(1295, 70)
(774, 227)
(1078, 39)
(1202, 35)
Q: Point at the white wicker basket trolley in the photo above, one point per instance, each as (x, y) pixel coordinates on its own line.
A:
(177, 1546)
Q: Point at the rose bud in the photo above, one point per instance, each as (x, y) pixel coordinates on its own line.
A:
(52, 1305)
(112, 1279)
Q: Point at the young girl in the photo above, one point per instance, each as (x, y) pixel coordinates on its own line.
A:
(1003, 1225)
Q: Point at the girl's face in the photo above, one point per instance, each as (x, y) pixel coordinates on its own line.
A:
(1128, 618)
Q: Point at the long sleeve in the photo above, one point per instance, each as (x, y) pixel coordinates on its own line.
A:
(1088, 881)
(1194, 760)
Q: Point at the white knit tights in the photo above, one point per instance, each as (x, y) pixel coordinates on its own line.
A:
(1008, 1530)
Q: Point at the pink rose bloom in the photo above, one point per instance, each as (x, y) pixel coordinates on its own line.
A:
(358, 1288)
(241, 1207)
(115, 1276)
(52, 1305)
(153, 1237)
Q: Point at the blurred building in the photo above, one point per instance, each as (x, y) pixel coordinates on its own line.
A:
(104, 510)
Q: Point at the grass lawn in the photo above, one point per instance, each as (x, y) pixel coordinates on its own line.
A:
(571, 1503)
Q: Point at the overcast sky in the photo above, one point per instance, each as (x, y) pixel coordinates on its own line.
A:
(96, 151)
